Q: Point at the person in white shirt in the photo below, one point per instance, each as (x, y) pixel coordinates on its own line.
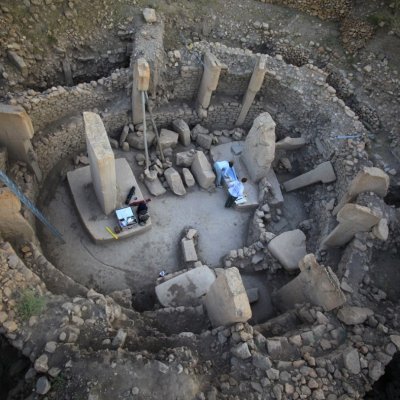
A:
(221, 169)
(235, 190)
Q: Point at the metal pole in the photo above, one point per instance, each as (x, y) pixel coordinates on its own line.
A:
(155, 128)
(146, 150)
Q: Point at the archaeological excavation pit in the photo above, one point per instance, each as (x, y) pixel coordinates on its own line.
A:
(130, 241)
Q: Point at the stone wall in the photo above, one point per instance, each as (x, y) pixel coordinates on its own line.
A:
(59, 102)
(298, 98)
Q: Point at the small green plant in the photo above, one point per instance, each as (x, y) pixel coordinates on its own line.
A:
(30, 303)
(376, 19)
(58, 383)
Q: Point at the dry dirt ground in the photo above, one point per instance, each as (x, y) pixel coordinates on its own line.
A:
(136, 262)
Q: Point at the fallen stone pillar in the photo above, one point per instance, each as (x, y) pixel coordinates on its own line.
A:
(16, 132)
(369, 179)
(185, 289)
(289, 143)
(102, 162)
(352, 218)
(255, 84)
(141, 80)
(226, 300)
(315, 284)
(322, 173)
(209, 81)
(259, 147)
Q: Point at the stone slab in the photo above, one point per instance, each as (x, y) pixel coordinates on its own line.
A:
(90, 213)
(174, 181)
(227, 152)
(188, 250)
(289, 248)
(226, 301)
(168, 138)
(187, 288)
(202, 171)
(188, 178)
(183, 130)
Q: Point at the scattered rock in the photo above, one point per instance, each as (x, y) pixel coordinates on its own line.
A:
(241, 351)
(354, 315)
(42, 385)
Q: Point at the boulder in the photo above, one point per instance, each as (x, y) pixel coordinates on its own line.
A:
(124, 135)
(174, 181)
(375, 370)
(202, 171)
(135, 139)
(168, 138)
(185, 158)
(149, 15)
(204, 141)
(351, 359)
(42, 385)
(354, 315)
(241, 351)
(198, 129)
(183, 130)
(289, 248)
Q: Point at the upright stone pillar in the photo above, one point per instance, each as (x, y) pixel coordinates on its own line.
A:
(255, 84)
(315, 284)
(259, 147)
(141, 81)
(16, 132)
(102, 162)
(209, 81)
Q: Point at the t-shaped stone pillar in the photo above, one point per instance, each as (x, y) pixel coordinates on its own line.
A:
(315, 284)
(141, 82)
(102, 162)
(255, 84)
(16, 132)
(369, 179)
(209, 81)
(322, 173)
(352, 218)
